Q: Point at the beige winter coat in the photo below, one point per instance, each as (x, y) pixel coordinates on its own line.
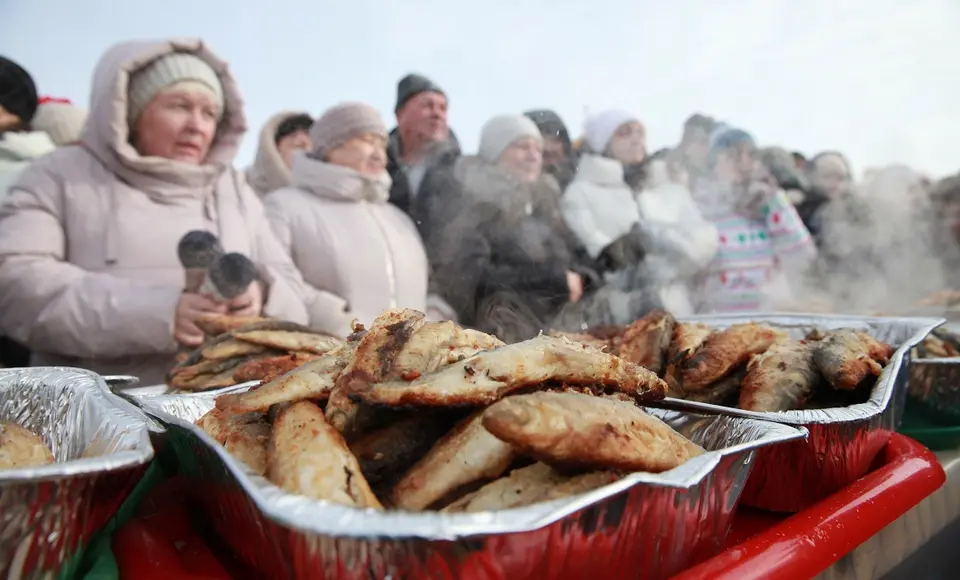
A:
(89, 275)
(268, 172)
(357, 252)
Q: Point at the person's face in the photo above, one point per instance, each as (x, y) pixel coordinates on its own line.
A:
(830, 176)
(366, 154)
(426, 116)
(179, 123)
(8, 121)
(696, 146)
(629, 143)
(290, 144)
(736, 164)
(522, 159)
(554, 151)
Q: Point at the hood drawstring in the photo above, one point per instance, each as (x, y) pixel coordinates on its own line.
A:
(110, 233)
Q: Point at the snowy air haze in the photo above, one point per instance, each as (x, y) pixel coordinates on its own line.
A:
(877, 79)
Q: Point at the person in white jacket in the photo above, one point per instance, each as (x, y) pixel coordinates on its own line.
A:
(656, 231)
(18, 105)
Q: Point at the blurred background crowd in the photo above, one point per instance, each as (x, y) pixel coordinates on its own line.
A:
(537, 226)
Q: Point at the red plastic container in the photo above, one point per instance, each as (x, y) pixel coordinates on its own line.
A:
(804, 544)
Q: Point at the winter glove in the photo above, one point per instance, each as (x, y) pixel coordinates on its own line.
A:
(625, 251)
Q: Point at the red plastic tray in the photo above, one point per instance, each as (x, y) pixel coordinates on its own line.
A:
(802, 545)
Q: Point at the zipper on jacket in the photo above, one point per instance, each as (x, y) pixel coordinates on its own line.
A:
(388, 251)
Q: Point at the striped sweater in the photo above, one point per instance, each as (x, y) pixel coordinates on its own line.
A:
(756, 255)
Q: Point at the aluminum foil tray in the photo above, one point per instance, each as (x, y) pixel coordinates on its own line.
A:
(843, 441)
(936, 381)
(657, 523)
(101, 444)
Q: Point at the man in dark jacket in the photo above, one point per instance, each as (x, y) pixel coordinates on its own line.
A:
(421, 141)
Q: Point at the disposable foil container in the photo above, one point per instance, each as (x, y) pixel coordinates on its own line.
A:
(101, 445)
(936, 381)
(843, 441)
(651, 524)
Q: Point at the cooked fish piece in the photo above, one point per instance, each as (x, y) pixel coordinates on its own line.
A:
(529, 485)
(687, 338)
(726, 391)
(493, 374)
(307, 456)
(524, 486)
(312, 381)
(385, 453)
(847, 357)
(231, 349)
(573, 430)
(585, 339)
(781, 379)
(436, 345)
(268, 368)
(645, 342)
(213, 324)
(243, 436)
(20, 447)
(379, 347)
(465, 455)
(351, 418)
(207, 381)
(290, 341)
(207, 367)
(724, 352)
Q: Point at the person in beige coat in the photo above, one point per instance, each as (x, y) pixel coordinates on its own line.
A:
(283, 135)
(358, 253)
(89, 274)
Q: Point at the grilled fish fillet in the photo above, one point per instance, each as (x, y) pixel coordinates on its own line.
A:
(205, 367)
(20, 447)
(569, 429)
(243, 436)
(848, 357)
(492, 374)
(723, 352)
(465, 455)
(781, 379)
(213, 324)
(307, 456)
(291, 341)
(271, 367)
(529, 485)
(230, 349)
(687, 338)
(436, 345)
(312, 381)
(388, 451)
(723, 392)
(645, 342)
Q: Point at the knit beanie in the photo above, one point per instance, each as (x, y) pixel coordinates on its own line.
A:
(341, 123)
(411, 86)
(177, 67)
(59, 119)
(599, 129)
(499, 132)
(18, 92)
(724, 137)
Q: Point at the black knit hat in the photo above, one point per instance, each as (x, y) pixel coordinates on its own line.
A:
(18, 93)
(412, 85)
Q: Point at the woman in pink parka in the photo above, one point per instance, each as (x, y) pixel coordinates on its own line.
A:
(89, 273)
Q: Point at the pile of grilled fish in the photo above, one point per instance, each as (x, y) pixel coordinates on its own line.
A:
(20, 447)
(751, 366)
(418, 415)
(941, 343)
(239, 349)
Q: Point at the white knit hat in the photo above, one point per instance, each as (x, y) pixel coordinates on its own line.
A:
(499, 132)
(63, 122)
(151, 80)
(599, 129)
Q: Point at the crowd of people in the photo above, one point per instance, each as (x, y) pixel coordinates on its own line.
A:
(536, 230)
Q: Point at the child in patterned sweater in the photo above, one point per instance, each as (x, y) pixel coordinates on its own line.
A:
(764, 245)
